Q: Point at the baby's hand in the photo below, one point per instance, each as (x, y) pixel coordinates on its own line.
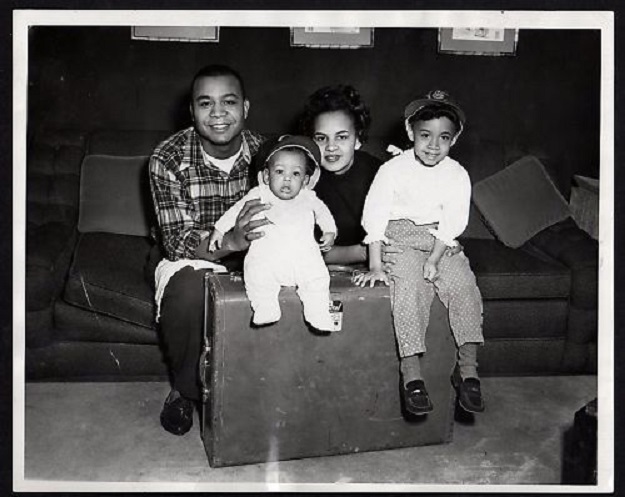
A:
(430, 271)
(361, 279)
(326, 241)
(214, 242)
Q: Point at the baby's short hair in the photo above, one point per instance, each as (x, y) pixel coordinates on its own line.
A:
(303, 144)
(310, 164)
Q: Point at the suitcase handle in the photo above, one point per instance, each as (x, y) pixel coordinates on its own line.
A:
(340, 268)
(205, 356)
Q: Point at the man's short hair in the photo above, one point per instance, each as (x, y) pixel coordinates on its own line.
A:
(214, 70)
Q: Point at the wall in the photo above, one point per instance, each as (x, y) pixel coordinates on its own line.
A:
(546, 96)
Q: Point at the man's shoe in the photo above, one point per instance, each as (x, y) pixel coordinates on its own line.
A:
(469, 392)
(177, 414)
(416, 398)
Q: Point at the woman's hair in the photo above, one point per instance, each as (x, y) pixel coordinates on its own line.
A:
(336, 98)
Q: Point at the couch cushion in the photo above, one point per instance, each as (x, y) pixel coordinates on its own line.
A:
(520, 201)
(505, 273)
(115, 195)
(106, 276)
(524, 319)
(80, 325)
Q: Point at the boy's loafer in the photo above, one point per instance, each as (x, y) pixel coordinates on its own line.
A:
(469, 392)
(416, 398)
(177, 414)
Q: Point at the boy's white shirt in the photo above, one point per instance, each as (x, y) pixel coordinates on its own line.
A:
(305, 199)
(404, 188)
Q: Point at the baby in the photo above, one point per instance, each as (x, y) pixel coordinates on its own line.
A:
(288, 254)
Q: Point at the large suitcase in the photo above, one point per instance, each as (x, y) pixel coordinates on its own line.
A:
(283, 392)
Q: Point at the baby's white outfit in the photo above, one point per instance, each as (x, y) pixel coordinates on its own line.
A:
(287, 255)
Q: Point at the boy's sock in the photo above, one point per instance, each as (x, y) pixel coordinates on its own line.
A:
(410, 368)
(467, 360)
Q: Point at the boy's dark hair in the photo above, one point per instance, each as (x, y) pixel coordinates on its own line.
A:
(214, 70)
(310, 164)
(435, 111)
(336, 98)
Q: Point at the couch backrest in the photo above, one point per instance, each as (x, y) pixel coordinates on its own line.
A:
(114, 184)
(53, 167)
(115, 195)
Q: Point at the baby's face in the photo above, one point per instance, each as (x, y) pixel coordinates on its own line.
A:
(286, 173)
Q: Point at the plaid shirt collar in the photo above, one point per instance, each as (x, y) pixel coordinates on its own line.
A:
(195, 145)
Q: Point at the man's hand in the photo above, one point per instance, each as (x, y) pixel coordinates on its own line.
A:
(326, 241)
(239, 237)
(361, 279)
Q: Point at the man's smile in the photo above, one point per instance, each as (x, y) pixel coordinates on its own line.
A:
(219, 127)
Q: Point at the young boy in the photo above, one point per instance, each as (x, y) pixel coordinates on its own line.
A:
(421, 199)
(288, 254)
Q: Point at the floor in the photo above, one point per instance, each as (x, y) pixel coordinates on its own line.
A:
(110, 432)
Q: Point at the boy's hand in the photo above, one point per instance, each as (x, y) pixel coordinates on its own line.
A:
(361, 279)
(214, 242)
(326, 241)
(430, 270)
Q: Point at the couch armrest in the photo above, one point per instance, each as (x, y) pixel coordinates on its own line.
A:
(575, 248)
(49, 250)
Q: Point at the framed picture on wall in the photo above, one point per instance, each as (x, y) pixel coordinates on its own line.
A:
(320, 37)
(197, 34)
(478, 41)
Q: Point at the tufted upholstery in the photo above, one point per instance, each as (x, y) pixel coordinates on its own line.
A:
(53, 168)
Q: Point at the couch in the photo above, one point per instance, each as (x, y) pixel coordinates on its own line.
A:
(90, 311)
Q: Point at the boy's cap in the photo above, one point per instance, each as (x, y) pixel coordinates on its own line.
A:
(438, 98)
(303, 143)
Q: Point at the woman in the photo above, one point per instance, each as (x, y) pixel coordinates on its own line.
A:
(338, 120)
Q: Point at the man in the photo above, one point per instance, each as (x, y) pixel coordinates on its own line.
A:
(195, 176)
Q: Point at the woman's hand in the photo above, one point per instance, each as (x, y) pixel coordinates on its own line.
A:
(451, 251)
(239, 237)
(361, 279)
(390, 249)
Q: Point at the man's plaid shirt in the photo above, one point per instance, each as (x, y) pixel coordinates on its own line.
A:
(190, 196)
